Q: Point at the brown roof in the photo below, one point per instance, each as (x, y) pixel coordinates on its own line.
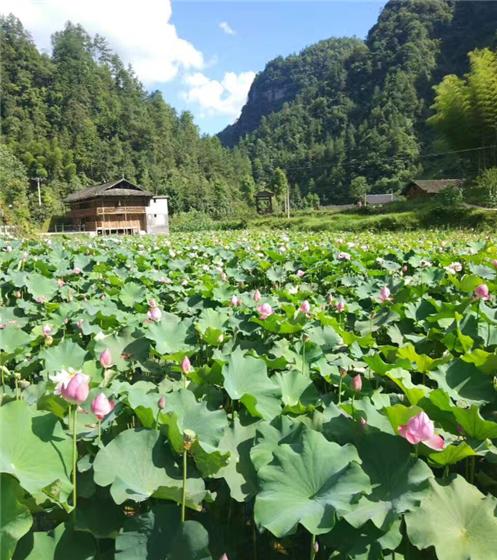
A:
(121, 187)
(434, 185)
(379, 198)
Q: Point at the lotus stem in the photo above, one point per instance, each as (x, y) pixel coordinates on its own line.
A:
(99, 433)
(340, 390)
(183, 493)
(74, 456)
(312, 551)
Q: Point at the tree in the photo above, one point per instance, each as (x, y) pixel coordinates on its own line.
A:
(359, 188)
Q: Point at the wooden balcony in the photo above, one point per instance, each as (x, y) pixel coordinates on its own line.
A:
(106, 211)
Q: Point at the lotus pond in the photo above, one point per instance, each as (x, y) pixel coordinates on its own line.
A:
(251, 396)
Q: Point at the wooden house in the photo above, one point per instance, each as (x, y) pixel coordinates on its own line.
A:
(425, 188)
(118, 207)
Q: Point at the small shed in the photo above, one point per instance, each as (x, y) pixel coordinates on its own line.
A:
(378, 199)
(264, 202)
(425, 188)
(117, 207)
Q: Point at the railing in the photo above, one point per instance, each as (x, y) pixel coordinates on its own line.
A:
(8, 230)
(106, 210)
(121, 210)
(68, 228)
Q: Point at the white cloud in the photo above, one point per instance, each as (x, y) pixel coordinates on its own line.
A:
(226, 27)
(140, 32)
(225, 97)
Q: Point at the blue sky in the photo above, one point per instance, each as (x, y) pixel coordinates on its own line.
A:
(263, 31)
(201, 54)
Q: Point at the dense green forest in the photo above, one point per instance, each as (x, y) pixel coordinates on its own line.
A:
(80, 117)
(346, 110)
(343, 116)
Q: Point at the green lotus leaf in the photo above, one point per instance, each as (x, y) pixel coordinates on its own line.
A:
(463, 381)
(132, 293)
(399, 480)
(452, 454)
(310, 482)
(15, 518)
(41, 286)
(65, 355)
(126, 346)
(137, 464)
(160, 535)
(60, 544)
(35, 449)
(246, 380)
(169, 334)
(239, 473)
(457, 519)
(13, 339)
(184, 412)
(297, 390)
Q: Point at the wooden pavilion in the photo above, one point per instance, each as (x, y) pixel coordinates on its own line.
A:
(264, 202)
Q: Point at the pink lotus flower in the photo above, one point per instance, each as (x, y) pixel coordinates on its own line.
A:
(494, 263)
(76, 270)
(305, 307)
(300, 273)
(47, 330)
(257, 296)
(154, 314)
(162, 402)
(385, 294)
(186, 366)
(60, 282)
(235, 301)
(77, 390)
(343, 256)
(106, 358)
(224, 557)
(265, 310)
(340, 305)
(420, 429)
(357, 383)
(482, 292)
(102, 406)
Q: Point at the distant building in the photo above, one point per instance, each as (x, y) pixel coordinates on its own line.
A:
(118, 207)
(425, 188)
(377, 199)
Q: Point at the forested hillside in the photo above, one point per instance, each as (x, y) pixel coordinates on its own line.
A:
(79, 117)
(345, 109)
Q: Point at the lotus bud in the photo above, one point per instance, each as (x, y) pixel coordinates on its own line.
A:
(102, 406)
(265, 310)
(340, 306)
(186, 366)
(257, 296)
(357, 383)
(385, 294)
(300, 273)
(482, 292)
(305, 307)
(235, 301)
(154, 314)
(48, 340)
(77, 390)
(106, 358)
(162, 402)
(47, 330)
(494, 263)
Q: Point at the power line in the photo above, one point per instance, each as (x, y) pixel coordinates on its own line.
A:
(398, 158)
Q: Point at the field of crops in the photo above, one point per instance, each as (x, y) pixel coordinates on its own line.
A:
(250, 396)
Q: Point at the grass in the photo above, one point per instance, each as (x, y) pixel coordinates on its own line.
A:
(398, 216)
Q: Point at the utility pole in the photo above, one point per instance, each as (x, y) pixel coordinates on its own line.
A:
(288, 201)
(38, 179)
